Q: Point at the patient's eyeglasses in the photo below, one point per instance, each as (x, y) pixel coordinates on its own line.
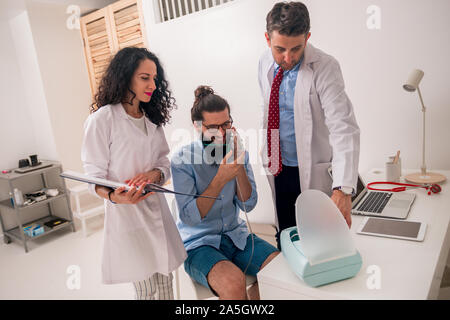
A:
(225, 126)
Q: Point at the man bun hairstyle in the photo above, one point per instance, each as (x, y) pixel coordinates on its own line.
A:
(206, 101)
(288, 18)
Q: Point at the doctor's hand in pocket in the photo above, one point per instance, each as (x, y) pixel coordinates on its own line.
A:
(132, 196)
(344, 204)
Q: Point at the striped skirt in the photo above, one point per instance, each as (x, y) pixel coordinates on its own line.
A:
(157, 287)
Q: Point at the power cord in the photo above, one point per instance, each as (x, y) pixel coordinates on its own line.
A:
(249, 226)
(240, 145)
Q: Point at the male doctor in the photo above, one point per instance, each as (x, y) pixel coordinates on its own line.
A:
(308, 120)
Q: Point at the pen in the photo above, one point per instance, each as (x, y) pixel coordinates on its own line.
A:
(396, 157)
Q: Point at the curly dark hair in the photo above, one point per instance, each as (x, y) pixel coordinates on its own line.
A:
(114, 86)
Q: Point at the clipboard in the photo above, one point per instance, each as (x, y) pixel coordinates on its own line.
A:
(150, 187)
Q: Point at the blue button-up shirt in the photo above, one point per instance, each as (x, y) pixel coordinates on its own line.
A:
(191, 175)
(287, 125)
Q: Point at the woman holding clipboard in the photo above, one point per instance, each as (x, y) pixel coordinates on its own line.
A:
(124, 141)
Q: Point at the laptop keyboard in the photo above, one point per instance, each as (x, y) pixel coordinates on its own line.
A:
(375, 202)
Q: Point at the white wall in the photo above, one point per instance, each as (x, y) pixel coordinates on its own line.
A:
(221, 47)
(44, 82)
(59, 51)
(26, 107)
(375, 63)
(16, 139)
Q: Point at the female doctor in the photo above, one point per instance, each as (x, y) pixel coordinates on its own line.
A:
(124, 141)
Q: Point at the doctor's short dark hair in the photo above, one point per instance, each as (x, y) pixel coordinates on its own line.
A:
(207, 101)
(288, 18)
(114, 85)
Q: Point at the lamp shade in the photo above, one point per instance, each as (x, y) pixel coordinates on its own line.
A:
(413, 80)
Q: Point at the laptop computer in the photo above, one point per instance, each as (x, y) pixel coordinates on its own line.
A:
(381, 203)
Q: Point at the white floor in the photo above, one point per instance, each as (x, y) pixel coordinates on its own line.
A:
(42, 273)
(45, 272)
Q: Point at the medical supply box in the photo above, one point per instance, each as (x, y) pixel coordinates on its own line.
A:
(33, 230)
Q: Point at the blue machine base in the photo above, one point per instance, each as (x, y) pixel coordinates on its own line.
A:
(318, 274)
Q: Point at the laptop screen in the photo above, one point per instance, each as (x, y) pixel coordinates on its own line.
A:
(359, 188)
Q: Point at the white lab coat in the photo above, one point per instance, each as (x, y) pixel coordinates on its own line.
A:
(326, 131)
(139, 239)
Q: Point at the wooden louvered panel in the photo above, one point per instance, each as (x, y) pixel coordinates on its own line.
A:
(100, 52)
(129, 30)
(99, 41)
(96, 23)
(99, 63)
(135, 22)
(130, 43)
(96, 28)
(99, 74)
(97, 35)
(125, 11)
(128, 24)
(98, 44)
(129, 37)
(101, 68)
(125, 19)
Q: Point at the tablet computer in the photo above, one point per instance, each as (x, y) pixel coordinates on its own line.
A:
(390, 228)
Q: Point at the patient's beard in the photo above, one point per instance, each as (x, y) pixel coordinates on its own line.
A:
(213, 152)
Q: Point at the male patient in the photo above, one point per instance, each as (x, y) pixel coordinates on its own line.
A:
(217, 241)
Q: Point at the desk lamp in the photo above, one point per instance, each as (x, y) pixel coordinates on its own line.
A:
(423, 177)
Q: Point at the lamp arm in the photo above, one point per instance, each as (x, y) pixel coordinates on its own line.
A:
(424, 167)
(421, 100)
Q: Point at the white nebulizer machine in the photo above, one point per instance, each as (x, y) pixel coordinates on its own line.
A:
(320, 249)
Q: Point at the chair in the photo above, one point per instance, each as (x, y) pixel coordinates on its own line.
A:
(83, 214)
(200, 292)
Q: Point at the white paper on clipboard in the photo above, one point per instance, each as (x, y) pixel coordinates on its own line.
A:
(151, 187)
(87, 179)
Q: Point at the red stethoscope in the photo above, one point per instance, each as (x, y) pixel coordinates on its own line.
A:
(431, 188)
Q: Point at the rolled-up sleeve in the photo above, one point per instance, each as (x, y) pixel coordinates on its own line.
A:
(251, 202)
(95, 151)
(184, 181)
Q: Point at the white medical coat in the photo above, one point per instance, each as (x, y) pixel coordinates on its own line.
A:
(326, 131)
(142, 238)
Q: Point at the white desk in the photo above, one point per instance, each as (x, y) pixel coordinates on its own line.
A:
(409, 269)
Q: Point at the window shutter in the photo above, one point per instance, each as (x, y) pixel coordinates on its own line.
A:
(98, 45)
(127, 24)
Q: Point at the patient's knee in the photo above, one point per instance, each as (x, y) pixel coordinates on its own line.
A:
(227, 280)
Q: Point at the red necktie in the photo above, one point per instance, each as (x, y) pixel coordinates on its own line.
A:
(273, 126)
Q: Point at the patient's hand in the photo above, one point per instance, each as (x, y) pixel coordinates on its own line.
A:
(229, 168)
(344, 204)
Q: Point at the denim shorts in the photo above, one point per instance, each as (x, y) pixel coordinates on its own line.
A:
(201, 259)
